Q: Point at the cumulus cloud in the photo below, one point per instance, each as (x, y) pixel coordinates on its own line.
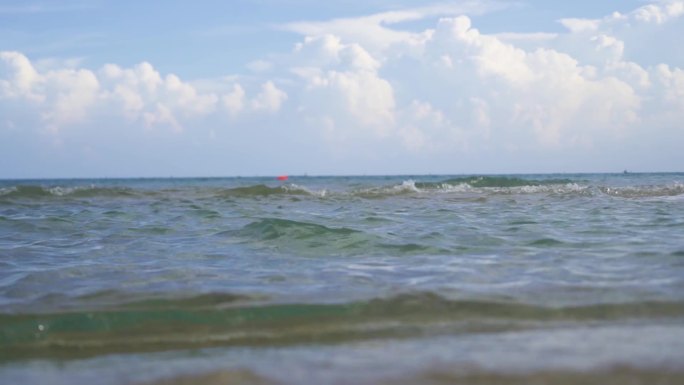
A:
(143, 94)
(656, 13)
(63, 97)
(641, 35)
(73, 92)
(374, 31)
(19, 77)
(66, 95)
(544, 90)
(269, 99)
(342, 91)
(234, 101)
(424, 128)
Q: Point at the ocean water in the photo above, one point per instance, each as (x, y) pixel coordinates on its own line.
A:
(517, 279)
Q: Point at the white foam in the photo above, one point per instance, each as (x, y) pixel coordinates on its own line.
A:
(406, 186)
(654, 191)
(7, 190)
(60, 191)
(450, 188)
(297, 188)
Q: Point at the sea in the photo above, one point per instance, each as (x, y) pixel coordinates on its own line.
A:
(415, 279)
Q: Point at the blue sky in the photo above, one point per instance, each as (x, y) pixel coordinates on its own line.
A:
(96, 88)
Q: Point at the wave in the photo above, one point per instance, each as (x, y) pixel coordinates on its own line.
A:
(493, 181)
(491, 185)
(33, 192)
(261, 190)
(275, 228)
(455, 375)
(468, 186)
(302, 238)
(656, 191)
(406, 187)
(488, 185)
(223, 320)
(484, 184)
(312, 239)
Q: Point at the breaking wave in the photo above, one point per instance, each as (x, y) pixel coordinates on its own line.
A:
(509, 185)
(472, 185)
(656, 191)
(479, 184)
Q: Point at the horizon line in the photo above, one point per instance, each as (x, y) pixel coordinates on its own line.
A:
(306, 175)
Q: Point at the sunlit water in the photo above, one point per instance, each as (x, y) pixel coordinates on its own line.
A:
(413, 279)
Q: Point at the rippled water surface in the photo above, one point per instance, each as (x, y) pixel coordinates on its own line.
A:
(421, 279)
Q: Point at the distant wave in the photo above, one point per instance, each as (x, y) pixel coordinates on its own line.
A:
(494, 181)
(486, 185)
(224, 320)
(406, 187)
(669, 190)
(257, 190)
(261, 190)
(490, 185)
(31, 191)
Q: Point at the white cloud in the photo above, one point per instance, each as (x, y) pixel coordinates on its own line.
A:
(424, 128)
(270, 99)
(655, 13)
(21, 77)
(67, 96)
(580, 25)
(187, 99)
(342, 90)
(374, 33)
(672, 82)
(659, 13)
(328, 51)
(73, 93)
(644, 35)
(143, 94)
(63, 96)
(161, 115)
(516, 37)
(500, 94)
(234, 101)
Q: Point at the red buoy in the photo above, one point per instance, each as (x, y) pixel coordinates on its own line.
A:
(282, 177)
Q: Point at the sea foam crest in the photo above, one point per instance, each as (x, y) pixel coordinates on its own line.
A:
(407, 185)
(458, 187)
(295, 188)
(653, 191)
(7, 190)
(551, 189)
(61, 191)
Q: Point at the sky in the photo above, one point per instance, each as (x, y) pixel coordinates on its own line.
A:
(98, 88)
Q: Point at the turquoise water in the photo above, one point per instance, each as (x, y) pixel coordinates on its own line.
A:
(341, 279)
